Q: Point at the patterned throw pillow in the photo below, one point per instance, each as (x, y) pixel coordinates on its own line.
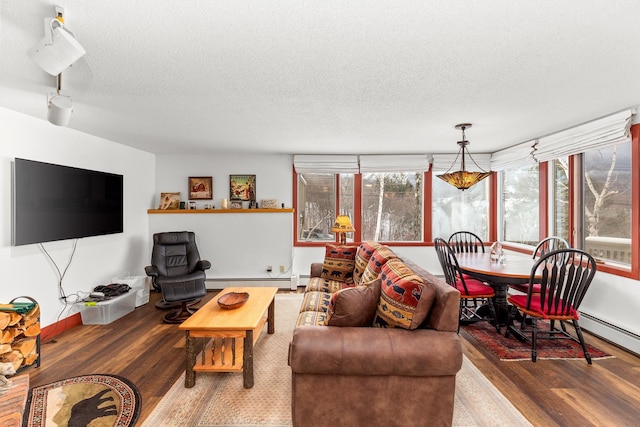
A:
(339, 262)
(378, 258)
(365, 250)
(405, 300)
(354, 306)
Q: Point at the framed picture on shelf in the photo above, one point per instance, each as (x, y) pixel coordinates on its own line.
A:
(242, 187)
(169, 201)
(200, 188)
(236, 205)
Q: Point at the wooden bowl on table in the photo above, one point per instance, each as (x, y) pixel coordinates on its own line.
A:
(233, 300)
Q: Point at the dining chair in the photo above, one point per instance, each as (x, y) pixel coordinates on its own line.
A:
(473, 293)
(465, 241)
(545, 246)
(564, 276)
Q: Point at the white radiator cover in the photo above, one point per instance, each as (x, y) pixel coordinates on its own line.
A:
(621, 337)
(281, 283)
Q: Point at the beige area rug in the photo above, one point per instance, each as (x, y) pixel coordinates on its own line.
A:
(218, 399)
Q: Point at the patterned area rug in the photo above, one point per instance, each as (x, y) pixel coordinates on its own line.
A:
(220, 400)
(89, 400)
(511, 349)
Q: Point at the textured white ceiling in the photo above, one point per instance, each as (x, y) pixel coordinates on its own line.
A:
(328, 76)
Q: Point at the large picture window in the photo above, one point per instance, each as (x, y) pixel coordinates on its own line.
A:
(454, 210)
(607, 203)
(559, 198)
(392, 206)
(316, 206)
(520, 201)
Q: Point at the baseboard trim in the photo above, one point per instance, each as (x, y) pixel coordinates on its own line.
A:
(49, 332)
(609, 332)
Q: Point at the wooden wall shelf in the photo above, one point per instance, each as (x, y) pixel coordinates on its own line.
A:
(217, 211)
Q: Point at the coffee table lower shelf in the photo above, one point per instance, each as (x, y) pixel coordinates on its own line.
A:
(223, 351)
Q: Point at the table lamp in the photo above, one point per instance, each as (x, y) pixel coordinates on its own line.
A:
(342, 225)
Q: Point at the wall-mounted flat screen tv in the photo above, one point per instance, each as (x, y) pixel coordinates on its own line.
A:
(55, 202)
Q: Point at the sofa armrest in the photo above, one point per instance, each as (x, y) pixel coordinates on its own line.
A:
(374, 351)
(316, 269)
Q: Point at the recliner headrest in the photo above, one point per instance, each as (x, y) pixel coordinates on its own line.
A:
(173, 238)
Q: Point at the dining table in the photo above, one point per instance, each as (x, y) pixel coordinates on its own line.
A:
(515, 270)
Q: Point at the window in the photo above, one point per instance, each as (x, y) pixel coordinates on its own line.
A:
(316, 206)
(607, 198)
(559, 198)
(519, 202)
(455, 210)
(392, 206)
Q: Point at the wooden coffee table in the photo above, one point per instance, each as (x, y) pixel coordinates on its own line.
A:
(220, 340)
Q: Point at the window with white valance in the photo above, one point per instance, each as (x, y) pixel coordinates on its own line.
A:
(514, 157)
(601, 133)
(394, 163)
(607, 131)
(334, 163)
(330, 163)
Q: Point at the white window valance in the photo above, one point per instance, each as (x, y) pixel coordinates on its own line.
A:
(445, 162)
(330, 163)
(600, 133)
(394, 163)
(514, 157)
(610, 130)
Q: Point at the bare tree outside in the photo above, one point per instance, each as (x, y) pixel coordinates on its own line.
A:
(392, 206)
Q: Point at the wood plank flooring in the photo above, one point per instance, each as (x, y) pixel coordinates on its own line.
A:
(549, 393)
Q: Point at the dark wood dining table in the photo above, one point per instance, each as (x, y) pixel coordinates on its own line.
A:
(515, 271)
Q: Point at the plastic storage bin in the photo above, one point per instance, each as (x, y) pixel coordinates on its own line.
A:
(141, 285)
(105, 312)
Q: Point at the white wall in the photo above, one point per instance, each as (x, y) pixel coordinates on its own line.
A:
(25, 269)
(238, 245)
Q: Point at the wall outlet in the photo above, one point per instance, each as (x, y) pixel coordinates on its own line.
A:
(282, 269)
(269, 268)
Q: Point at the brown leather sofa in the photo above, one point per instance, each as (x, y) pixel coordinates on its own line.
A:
(372, 376)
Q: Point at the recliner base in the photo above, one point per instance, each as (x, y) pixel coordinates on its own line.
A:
(179, 315)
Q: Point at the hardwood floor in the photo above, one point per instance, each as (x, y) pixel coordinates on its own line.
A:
(549, 393)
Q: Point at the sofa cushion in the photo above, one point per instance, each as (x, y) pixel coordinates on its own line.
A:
(354, 306)
(311, 318)
(315, 301)
(378, 258)
(365, 250)
(405, 301)
(318, 284)
(339, 262)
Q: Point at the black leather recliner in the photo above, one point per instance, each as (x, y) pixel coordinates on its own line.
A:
(178, 272)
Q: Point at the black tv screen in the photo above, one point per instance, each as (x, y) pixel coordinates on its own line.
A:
(54, 202)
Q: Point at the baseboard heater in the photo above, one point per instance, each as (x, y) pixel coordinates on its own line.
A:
(611, 333)
(281, 283)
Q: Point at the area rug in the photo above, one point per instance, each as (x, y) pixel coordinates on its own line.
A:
(511, 349)
(220, 400)
(97, 400)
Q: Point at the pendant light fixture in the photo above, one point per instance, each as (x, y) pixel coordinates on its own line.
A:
(463, 179)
